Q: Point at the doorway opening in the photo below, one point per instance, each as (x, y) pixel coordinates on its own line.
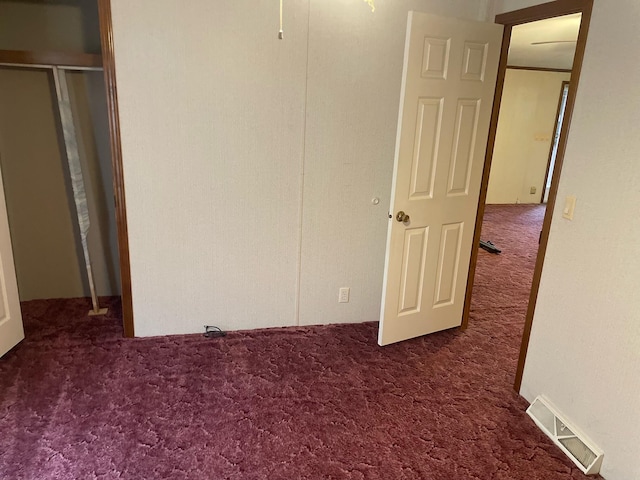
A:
(518, 27)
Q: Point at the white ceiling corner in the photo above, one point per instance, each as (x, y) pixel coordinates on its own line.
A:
(486, 10)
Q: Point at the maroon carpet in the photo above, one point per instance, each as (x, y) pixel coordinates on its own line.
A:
(79, 402)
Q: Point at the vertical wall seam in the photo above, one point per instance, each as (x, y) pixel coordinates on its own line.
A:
(487, 11)
(302, 178)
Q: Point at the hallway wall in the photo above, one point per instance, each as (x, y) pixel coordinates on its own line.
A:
(525, 133)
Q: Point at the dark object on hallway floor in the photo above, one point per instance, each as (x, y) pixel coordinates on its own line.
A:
(489, 246)
(78, 401)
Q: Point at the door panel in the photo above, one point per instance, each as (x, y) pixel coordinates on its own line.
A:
(11, 330)
(447, 263)
(415, 246)
(447, 92)
(463, 147)
(426, 147)
(435, 58)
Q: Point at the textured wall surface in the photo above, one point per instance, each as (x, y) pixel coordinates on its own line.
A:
(525, 131)
(212, 116)
(250, 163)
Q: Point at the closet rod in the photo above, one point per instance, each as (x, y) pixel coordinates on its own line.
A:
(50, 67)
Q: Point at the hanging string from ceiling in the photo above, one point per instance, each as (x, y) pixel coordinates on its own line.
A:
(280, 33)
(371, 3)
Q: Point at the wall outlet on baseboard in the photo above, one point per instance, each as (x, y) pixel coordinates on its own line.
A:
(343, 295)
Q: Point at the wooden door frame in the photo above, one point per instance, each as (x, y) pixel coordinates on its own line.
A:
(565, 84)
(509, 20)
(106, 40)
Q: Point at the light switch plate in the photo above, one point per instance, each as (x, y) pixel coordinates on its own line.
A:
(569, 207)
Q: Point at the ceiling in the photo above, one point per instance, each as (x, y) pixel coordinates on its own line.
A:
(561, 31)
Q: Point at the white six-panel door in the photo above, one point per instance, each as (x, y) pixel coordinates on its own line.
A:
(448, 85)
(11, 331)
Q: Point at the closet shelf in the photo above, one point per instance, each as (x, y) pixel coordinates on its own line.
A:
(66, 59)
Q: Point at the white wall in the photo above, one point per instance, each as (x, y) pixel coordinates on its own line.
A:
(584, 353)
(212, 117)
(250, 163)
(525, 131)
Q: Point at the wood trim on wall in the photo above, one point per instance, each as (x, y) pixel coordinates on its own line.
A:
(509, 20)
(543, 11)
(106, 39)
(66, 59)
(539, 69)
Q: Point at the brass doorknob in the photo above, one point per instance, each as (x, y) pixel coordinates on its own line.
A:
(402, 217)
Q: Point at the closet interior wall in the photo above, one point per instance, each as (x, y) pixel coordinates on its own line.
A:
(40, 204)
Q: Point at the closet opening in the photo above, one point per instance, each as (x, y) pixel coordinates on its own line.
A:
(55, 152)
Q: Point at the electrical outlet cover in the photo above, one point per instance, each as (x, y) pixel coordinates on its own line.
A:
(343, 295)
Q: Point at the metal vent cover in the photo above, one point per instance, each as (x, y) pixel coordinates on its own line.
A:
(568, 438)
